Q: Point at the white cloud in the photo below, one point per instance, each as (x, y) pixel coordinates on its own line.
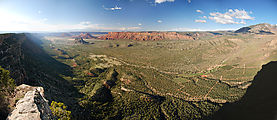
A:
(231, 17)
(161, 1)
(39, 12)
(189, 1)
(159, 21)
(200, 21)
(113, 8)
(199, 11)
(205, 17)
(139, 24)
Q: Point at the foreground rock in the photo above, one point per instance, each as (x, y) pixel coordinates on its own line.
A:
(33, 106)
(144, 36)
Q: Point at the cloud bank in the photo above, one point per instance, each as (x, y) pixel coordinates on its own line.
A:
(235, 16)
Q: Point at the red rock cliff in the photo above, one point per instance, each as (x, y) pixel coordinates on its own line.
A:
(145, 36)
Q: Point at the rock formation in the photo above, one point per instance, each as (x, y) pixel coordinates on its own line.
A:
(80, 41)
(144, 36)
(33, 106)
(84, 36)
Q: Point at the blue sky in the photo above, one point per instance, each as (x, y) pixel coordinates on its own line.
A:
(134, 15)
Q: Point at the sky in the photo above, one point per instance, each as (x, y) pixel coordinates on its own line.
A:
(133, 15)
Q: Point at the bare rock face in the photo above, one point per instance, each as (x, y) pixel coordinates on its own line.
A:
(33, 106)
(144, 36)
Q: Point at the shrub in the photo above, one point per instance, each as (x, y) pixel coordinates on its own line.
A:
(6, 82)
(6, 88)
(59, 111)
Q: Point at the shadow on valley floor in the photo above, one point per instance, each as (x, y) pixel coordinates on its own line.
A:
(30, 64)
(56, 87)
(260, 100)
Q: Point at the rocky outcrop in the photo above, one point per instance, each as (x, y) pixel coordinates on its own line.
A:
(263, 28)
(84, 36)
(33, 106)
(80, 40)
(144, 36)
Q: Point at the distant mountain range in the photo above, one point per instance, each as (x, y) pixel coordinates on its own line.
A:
(144, 36)
(70, 34)
(84, 36)
(263, 28)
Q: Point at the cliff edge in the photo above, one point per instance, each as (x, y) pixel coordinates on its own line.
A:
(33, 106)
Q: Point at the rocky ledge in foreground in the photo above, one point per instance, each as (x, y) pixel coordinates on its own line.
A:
(33, 106)
(144, 36)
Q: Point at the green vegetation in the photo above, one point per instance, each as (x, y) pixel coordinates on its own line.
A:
(59, 111)
(169, 79)
(6, 88)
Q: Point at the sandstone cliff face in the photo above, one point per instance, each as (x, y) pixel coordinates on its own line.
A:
(144, 36)
(33, 106)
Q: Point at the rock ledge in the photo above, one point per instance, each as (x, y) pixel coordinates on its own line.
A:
(32, 107)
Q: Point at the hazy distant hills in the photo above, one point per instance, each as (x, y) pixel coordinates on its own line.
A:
(84, 36)
(70, 34)
(263, 28)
